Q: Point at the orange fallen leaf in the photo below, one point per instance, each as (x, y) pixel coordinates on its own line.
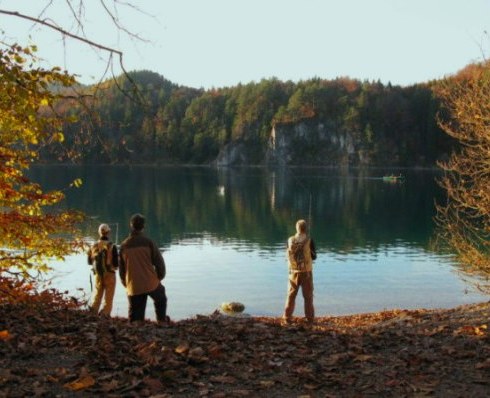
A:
(110, 386)
(182, 348)
(214, 351)
(153, 384)
(483, 365)
(80, 383)
(223, 379)
(5, 335)
(267, 383)
(472, 330)
(392, 383)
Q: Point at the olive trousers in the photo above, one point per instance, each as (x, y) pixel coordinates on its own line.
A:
(305, 281)
(105, 286)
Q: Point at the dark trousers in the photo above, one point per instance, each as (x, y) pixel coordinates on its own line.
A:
(137, 305)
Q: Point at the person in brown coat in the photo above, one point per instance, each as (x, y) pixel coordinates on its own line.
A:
(142, 268)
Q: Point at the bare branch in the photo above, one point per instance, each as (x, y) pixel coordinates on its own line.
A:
(45, 22)
(115, 21)
(77, 16)
(63, 32)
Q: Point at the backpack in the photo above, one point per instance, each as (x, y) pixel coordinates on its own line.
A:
(298, 253)
(100, 255)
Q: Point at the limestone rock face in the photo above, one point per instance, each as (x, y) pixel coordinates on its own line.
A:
(315, 143)
(312, 143)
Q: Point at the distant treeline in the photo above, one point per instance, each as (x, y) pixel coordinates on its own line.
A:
(148, 119)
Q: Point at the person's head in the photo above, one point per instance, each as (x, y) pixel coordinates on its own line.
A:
(137, 222)
(301, 226)
(104, 230)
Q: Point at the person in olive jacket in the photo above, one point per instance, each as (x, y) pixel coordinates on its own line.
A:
(103, 257)
(301, 252)
(142, 268)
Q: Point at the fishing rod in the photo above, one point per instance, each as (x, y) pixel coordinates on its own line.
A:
(298, 180)
(117, 232)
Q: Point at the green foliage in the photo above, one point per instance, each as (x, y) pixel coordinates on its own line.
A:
(166, 123)
(29, 233)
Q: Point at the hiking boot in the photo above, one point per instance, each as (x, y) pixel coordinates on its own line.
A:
(166, 322)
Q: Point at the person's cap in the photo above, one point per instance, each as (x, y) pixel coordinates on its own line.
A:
(137, 222)
(104, 229)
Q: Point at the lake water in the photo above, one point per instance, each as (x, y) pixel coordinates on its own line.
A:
(224, 231)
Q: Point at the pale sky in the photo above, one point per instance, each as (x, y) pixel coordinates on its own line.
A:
(217, 43)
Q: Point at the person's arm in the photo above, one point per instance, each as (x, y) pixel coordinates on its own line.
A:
(158, 261)
(122, 268)
(312, 249)
(115, 259)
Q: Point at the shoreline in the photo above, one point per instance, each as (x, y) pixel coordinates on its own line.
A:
(56, 351)
(434, 168)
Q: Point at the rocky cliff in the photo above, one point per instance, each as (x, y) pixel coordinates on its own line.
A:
(313, 143)
(303, 143)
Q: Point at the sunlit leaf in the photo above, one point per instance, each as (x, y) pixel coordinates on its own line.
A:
(81, 383)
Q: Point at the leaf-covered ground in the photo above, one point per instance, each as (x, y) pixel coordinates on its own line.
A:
(49, 350)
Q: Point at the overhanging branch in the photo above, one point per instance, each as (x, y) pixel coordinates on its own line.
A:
(63, 32)
(85, 40)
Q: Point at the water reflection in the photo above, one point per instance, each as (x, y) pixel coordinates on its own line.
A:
(354, 210)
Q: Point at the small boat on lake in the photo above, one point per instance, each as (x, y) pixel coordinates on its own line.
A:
(393, 178)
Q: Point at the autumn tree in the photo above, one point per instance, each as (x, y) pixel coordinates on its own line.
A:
(464, 220)
(32, 229)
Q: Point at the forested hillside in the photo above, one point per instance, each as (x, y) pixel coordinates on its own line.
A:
(321, 122)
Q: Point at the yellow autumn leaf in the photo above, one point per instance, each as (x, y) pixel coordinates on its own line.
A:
(24, 129)
(77, 183)
(60, 137)
(481, 330)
